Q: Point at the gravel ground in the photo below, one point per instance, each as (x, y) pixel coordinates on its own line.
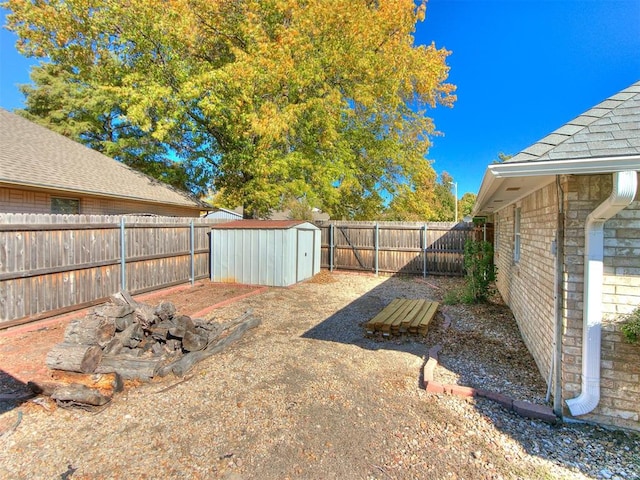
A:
(307, 396)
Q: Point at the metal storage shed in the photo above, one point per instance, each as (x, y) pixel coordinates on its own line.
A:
(265, 252)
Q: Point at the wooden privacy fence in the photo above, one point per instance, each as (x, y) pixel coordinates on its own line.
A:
(434, 248)
(50, 264)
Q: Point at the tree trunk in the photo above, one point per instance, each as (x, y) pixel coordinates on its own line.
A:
(74, 358)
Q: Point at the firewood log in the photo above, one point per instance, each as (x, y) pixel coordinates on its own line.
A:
(183, 324)
(145, 315)
(132, 336)
(113, 311)
(74, 358)
(105, 383)
(78, 393)
(236, 321)
(113, 347)
(129, 367)
(121, 315)
(165, 310)
(181, 366)
(90, 330)
(159, 333)
(194, 340)
(122, 323)
(123, 298)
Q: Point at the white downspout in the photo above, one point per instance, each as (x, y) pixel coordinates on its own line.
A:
(624, 191)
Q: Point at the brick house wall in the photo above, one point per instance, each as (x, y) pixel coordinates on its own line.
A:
(16, 200)
(620, 361)
(527, 286)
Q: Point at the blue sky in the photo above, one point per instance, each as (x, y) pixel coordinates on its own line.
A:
(522, 67)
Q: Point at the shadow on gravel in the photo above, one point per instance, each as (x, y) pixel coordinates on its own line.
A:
(488, 347)
(346, 325)
(13, 392)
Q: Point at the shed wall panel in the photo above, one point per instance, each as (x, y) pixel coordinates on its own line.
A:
(264, 256)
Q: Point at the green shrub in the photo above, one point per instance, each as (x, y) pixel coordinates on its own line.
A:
(631, 326)
(480, 271)
(453, 296)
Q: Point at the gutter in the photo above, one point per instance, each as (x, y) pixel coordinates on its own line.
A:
(558, 324)
(576, 166)
(496, 174)
(623, 193)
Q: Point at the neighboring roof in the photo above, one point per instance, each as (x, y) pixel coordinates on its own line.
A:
(33, 156)
(316, 214)
(223, 212)
(259, 224)
(604, 139)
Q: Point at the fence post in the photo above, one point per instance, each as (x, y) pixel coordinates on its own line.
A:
(123, 258)
(375, 243)
(331, 246)
(424, 250)
(192, 246)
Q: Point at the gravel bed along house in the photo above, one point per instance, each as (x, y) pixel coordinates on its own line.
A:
(306, 395)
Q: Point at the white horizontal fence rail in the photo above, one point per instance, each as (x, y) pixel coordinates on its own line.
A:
(433, 248)
(50, 264)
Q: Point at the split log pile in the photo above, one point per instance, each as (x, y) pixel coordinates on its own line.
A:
(124, 339)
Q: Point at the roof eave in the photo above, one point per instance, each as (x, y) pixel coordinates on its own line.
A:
(67, 191)
(500, 176)
(579, 166)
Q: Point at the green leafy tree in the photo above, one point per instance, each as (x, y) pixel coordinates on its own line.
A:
(95, 118)
(299, 209)
(444, 201)
(466, 203)
(502, 157)
(321, 99)
(415, 202)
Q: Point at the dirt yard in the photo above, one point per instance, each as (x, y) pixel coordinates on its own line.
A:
(307, 395)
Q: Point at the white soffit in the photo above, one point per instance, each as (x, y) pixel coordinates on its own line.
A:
(504, 191)
(506, 183)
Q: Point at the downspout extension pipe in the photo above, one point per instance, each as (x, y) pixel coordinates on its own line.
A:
(624, 191)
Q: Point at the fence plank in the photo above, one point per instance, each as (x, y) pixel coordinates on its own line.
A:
(54, 262)
(402, 247)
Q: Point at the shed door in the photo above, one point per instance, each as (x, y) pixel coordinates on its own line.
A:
(305, 255)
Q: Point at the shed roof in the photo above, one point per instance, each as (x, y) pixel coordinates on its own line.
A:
(604, 139)
(34, 156)
(259, 224)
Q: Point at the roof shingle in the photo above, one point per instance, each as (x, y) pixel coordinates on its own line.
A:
(32, 155)
(611, 128)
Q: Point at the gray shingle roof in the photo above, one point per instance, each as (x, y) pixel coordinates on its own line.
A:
(33, 155)
(611, 128)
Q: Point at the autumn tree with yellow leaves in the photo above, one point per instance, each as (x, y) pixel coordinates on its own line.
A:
(324, 100)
